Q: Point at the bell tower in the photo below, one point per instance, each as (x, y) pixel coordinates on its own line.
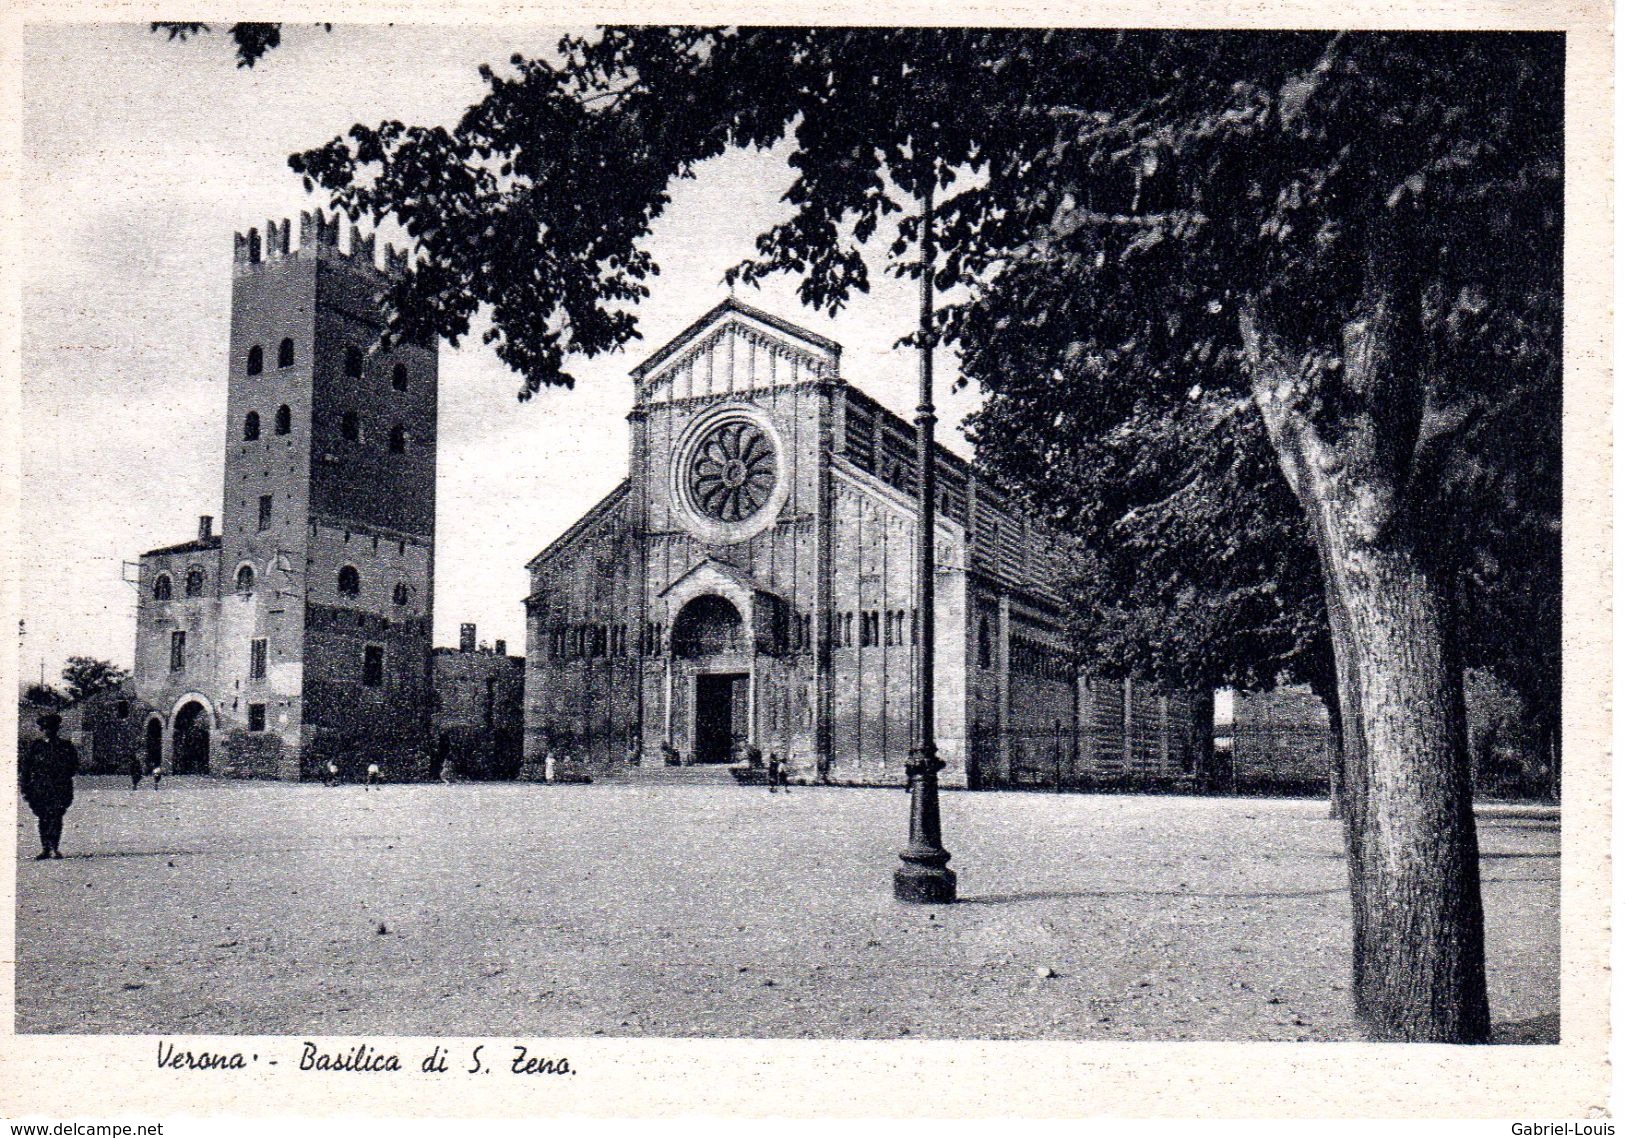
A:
(328, 525)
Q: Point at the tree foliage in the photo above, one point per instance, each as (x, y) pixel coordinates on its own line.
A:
(44, 695)
(84, 676)
(1174, 174)
(251, 42)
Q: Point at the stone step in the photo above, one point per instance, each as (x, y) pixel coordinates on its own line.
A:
(703, 774)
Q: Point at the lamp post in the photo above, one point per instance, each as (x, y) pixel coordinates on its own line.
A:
(924, 877)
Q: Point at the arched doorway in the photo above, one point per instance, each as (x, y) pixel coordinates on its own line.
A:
(708, 625)
(191, 744)
(155, 743)
(710, 632)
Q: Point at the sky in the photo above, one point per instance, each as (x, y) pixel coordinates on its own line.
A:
(142, 157)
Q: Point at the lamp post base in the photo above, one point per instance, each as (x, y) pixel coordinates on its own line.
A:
(919, 884)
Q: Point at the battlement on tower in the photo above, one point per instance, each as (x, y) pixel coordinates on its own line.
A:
(318, 237)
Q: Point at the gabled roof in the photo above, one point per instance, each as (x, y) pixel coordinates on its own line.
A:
(732, 572)
(196, 545)
(687, 335)
(585, 522)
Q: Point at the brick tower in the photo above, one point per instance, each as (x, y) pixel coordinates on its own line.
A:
(322, 587)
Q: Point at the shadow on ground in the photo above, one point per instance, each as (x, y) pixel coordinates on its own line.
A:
(1541, 1029)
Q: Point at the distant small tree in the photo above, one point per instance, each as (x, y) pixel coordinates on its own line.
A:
(44, 695)
(86, 675)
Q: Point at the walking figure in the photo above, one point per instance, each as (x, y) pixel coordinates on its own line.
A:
(777, 776)
(47, 783)
(331, 778)
(549, 768)
(137, 769)
(373, 775)
(157, 774)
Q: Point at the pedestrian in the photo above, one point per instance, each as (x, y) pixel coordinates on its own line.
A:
(776, 774)
(373, 775)
(157, 774)
(47, 783)
(137, 769)
(549, 768)
(331, 778)
(669, 755)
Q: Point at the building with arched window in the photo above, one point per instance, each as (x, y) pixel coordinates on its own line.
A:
(279, 651)
(754, 577)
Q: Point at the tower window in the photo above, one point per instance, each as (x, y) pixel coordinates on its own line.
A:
(256, 360)
(194, 583)
(284, 353)
(256, 658)
(256, 717)
(350, 581)
(265, 513)
(251, 426)
(177, 651)
(372, 666)
(402, 593)
(350, 426)
(398, 379)
(352, 362)
(162, 589)
(245, 579)
(397, 439)
(284, 420)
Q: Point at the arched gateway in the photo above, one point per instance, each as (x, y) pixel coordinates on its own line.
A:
(190, 738)
(155, 743)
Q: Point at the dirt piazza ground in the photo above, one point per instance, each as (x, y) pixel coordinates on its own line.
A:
(480, 909)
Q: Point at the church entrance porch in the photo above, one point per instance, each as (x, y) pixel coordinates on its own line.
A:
(721, 714)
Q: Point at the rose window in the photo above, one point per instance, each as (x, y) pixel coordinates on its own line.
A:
(733, 471)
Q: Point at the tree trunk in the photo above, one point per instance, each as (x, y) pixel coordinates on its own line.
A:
(1414, 871)
(1334, 772)
(1334, 758)
(1548, 746)
(1347, 440)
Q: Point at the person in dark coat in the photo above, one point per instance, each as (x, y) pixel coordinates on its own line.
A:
(777, 776)
(47, 777)
(138, 768)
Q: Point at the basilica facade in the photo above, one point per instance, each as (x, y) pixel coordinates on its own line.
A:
(752, 578)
